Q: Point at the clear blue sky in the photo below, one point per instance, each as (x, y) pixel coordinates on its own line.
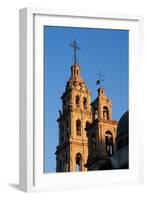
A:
(104, 51)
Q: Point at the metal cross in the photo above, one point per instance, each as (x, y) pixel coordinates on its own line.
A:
(100, 80)
(75, 48)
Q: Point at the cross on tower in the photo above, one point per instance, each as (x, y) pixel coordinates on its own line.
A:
(75, 48)
(100, 80)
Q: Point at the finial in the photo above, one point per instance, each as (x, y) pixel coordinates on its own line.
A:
(75, 48)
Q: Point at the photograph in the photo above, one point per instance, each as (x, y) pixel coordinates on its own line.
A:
(86, 99)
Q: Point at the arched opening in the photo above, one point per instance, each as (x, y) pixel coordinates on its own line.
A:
(105, 113)
(109, 143)
(87, 124)
(78, 127)
(96, 114)
(77, 101)
(74, 71)
(78, 162)
(85, 103)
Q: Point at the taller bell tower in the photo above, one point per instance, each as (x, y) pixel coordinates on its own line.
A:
(72, 151)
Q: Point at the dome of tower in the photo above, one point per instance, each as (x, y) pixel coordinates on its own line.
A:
(123, 124)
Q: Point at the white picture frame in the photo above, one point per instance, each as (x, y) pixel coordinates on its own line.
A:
(31, 175)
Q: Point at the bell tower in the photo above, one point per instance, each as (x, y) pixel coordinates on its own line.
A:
(101, 132)
(72, 151)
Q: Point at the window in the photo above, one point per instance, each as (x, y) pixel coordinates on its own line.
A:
(74, 71)
(96, 114)
(77, 101)
(78, 162)
(105, 113)
(109, 143)
(85, 103)
(78, 127)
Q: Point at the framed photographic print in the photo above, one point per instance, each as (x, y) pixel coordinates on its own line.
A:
(80, 123)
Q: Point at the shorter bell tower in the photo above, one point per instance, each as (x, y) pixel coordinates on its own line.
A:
(101, 132)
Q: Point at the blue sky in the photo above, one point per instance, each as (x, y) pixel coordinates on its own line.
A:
(101, 51)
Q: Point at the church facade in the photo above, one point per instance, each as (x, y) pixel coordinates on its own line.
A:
(87, 132)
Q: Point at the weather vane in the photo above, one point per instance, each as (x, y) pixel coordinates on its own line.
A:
(75, 48)
(100, 80)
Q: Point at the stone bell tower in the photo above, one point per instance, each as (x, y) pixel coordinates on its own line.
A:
(101, 132)
(72, 151)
